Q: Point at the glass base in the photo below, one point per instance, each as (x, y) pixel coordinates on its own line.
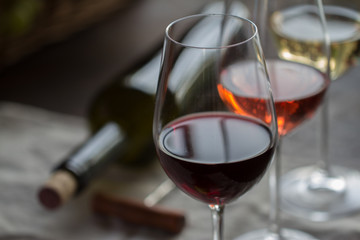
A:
(286, 234)
(310, 194)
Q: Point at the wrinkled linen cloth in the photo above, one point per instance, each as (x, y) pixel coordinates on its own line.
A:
(33, 141)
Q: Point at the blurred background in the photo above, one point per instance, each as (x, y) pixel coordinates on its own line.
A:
(58, 54)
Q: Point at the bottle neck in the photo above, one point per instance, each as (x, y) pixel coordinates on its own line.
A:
(100, 149)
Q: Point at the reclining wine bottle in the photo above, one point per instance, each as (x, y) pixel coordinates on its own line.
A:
(121, 119)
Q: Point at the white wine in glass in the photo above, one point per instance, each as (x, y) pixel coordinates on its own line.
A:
(298, 34)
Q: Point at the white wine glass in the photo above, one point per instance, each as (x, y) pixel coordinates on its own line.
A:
(209, 151)
(325, 190)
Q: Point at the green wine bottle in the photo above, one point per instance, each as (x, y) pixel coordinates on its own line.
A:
(121, 119)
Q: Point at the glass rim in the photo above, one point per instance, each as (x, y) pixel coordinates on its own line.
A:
(207, 15)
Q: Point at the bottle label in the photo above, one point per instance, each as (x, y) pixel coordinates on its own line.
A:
(93, 151)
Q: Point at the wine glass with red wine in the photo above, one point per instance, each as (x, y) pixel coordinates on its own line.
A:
(211, 152)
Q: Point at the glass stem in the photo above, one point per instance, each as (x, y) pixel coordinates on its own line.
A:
(217, 221)
(323, 163)
(325, 177)
(274, 188)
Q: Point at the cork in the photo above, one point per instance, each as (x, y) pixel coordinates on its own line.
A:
(59, 188)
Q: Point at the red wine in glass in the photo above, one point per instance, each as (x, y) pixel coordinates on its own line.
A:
(215, 157)
(297, 90)
(211, 153)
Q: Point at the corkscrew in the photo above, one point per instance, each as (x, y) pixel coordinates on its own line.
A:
(145, 212)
